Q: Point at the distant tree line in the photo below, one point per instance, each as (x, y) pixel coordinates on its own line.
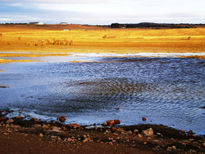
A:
(154, 25)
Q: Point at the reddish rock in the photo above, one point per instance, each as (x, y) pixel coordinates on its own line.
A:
(62, 119)
(19, 111)
(117, 121)
(136, 131)
(34, 119)
(144, 119)
(74, 125)
(190, 132)
(1, 112)
(110, 122)
(148, 132)
(114, 129)
(117, 108)
(139, 136)
(105, 124)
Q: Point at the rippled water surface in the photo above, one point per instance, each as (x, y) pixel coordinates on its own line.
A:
(167, 91)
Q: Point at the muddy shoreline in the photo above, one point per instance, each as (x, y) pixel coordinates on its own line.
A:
(145, 138)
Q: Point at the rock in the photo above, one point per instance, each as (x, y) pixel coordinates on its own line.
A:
(130, 132)
(110, 122)
(203, 107)
(85, 140)
(18, 117)
(62, 119)
(114, 129)
(136, 131)
(110, 143)
(148, 132)
(41, 135)
(139, 136)
(203, 144)
(34, 119)
(171, 148)
(45, 126)
(69, 139)
(190, 132)
(74, 125)
(116, 121)
(1, 112)
(105, 124)
(19, 111)
(56, 129)
(144, 119)
(117, 108)
(37, 126)
(9, 121)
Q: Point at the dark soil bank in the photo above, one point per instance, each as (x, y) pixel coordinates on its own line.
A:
(34, 136)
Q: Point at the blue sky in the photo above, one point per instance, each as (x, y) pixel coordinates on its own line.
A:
(103, 11)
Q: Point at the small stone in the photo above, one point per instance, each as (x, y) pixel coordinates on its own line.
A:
(136, 131)
(34, 119)
(116, 121)
(130, 132)
(62, 119)
(110, 122)
(85, 140)
(203, 144)
(41, 135)
(9, 121)
(173, 147)
(45, 126)
(190, 132)
(144, 119)
(113, 129)
(37, 126)
(117, 108)
(139, 135)
(145, 143)
(19, 117)
(69, 139)
(148, 132)
(56, 129)
(19, 111)
(110, 143)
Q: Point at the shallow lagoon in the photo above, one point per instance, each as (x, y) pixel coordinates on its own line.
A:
(168, 91)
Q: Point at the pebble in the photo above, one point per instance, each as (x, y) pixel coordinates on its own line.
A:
(144, 119)
(85, 140)
(62, 119)
(41, 135)
(136, 131)
(117, 108)
(19, 111)
(117, 121)
(9, 121)
(139, 135)
(34, 119)
(148, 132)
(56, 129)
(203, 144)
(69, 139)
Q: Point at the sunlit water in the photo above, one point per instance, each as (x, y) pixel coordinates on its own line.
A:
(167, 91)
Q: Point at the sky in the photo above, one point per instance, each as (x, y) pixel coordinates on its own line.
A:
(102, 12)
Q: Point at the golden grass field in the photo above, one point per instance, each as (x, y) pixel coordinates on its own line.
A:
(49, 39)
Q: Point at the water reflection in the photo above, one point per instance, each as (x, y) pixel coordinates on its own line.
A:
(165, 90)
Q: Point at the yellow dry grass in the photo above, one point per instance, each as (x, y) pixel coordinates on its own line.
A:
(35, 40)
(2, 61)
